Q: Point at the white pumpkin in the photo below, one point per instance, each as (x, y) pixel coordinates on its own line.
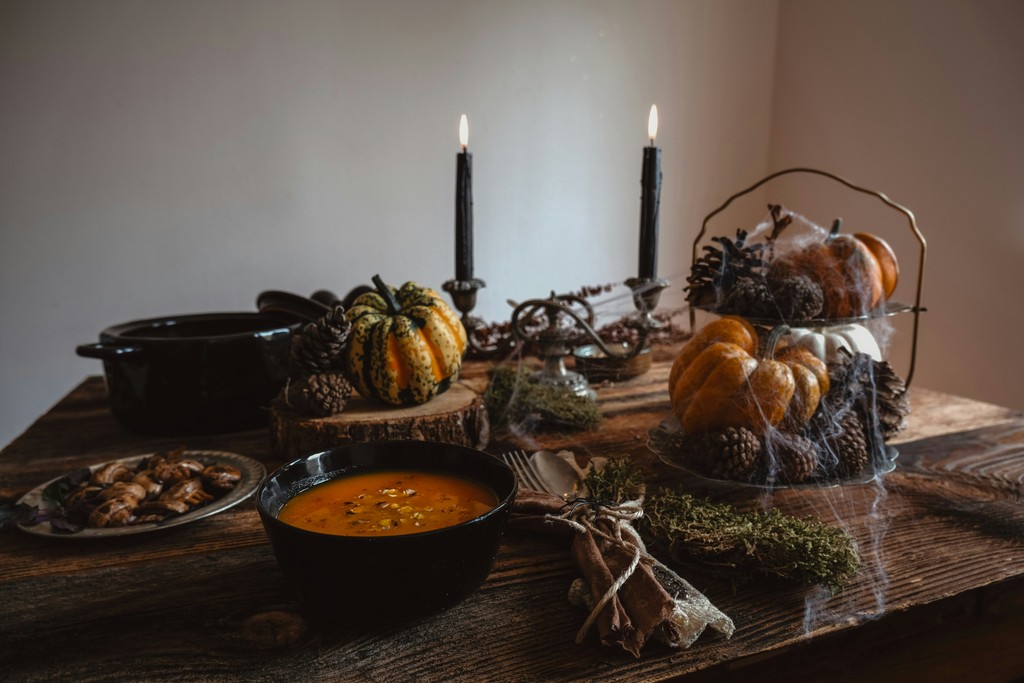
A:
(826, 342)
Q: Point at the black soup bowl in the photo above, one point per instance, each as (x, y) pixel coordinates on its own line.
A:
(200, 373)
(349, 580)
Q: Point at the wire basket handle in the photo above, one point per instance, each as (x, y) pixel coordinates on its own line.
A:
(888, 202)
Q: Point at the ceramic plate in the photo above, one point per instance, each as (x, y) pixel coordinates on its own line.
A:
(252, 474)
(663, 441)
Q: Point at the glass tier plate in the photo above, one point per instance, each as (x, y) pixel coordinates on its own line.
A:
(891, 308)
(663, 441)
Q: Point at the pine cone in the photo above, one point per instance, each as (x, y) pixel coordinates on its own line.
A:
(842, 442)
(733, 453)
(892, 404)
(875, 389)
(797, 297)
(749, 296)
(715, 273)
(796, 457)
(846, 382)
(320, 395)
(851, 446)
(318, 349)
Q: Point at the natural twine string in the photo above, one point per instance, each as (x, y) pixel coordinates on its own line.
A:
(582, 516)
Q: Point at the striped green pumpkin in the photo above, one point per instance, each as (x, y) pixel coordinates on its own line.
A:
(406, 345)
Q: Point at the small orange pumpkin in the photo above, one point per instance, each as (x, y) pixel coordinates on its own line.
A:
(731, 329)
(856, 272)
(717, 381)
(811, 384)
(886, 258)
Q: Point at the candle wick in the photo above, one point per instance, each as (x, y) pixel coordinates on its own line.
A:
(463, 149)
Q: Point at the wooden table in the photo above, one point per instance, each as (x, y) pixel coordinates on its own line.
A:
(939, 598)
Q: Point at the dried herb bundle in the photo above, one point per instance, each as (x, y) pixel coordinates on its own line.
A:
(738, 545)
(744, 544)
(617, 481)
(516, 401)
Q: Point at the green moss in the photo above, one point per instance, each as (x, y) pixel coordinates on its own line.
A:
(743, 544)
(515, 401)
(738, 545)
(620, 479)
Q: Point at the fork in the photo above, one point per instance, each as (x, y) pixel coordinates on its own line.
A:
(526, 472)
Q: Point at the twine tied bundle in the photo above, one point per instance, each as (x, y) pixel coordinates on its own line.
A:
(630, 595)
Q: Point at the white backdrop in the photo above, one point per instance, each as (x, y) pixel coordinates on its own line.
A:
(171, 157)
(922, 99)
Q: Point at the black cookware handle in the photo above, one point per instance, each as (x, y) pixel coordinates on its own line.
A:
(330, 299)
(354, 294)
(107, 351)
(303, 308)
(326, 297)
(308, 309)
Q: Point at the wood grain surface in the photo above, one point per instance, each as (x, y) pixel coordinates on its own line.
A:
(938, 598)
(456, 416)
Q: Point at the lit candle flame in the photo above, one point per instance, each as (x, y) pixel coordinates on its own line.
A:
(464, 132)
(652, 123)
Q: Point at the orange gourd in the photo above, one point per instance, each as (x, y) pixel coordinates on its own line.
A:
(886, 258)
(729, 329)
(811, 380)
(857, 273)
(718, 381)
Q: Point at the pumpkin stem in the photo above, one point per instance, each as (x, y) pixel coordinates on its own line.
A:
(834, 232)
(773, 339)
(389, 297)
(780, 222)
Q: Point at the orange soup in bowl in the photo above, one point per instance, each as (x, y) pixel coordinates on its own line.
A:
(388, 503)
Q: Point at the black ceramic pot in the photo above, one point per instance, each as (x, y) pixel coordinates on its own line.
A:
(202, 373)
(352, 580)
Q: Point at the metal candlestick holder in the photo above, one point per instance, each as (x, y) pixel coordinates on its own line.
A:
(569, 324)
(646, 292)
(463, 294)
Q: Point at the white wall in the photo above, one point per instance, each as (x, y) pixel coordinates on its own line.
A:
(923, 100)
(182, 156)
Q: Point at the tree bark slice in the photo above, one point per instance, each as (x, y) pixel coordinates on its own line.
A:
(457, 416)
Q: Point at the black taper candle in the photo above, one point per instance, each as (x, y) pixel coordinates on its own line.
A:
(464, 216)
(650, 200)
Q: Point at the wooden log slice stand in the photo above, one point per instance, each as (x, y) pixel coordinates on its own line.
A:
(457, 416)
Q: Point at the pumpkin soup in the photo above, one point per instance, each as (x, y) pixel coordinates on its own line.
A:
(388, 503)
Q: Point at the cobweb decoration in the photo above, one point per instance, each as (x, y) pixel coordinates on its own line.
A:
(615, 313)
(526, 407)
(833, 466)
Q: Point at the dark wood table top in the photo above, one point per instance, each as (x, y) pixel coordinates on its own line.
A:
(938, 598)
